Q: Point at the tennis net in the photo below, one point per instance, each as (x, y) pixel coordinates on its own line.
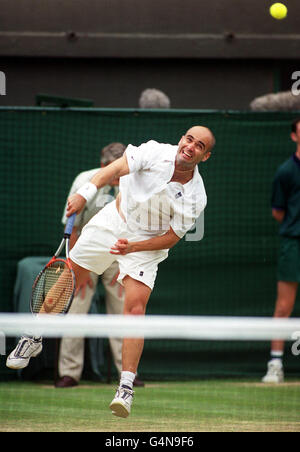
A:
(152, 327)
(175, 403)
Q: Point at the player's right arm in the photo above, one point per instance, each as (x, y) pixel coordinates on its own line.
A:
(114, 170)
(104, 176)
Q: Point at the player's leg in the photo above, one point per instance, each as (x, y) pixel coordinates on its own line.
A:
(114, 303)
(71, 352)
(286, 296)
(136, 297)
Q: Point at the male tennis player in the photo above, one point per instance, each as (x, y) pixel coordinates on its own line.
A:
(286, 210)
(161, 195)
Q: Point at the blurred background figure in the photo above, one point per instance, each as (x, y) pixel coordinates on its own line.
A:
(286, 211)
(154, 98)
(283, 101)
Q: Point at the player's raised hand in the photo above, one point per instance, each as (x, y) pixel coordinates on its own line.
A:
(75, 204)
(122, 246)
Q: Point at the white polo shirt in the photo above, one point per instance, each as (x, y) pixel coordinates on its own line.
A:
(150, 202)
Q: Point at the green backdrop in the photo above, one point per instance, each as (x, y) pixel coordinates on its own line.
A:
(232, 271)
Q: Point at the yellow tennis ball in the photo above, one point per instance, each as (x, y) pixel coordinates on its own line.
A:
(278, 11)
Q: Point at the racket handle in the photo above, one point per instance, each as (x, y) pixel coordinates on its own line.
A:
(69, 225)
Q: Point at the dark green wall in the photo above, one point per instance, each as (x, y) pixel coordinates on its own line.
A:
(232, 271)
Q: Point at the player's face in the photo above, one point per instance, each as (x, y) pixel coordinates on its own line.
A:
(193, 147)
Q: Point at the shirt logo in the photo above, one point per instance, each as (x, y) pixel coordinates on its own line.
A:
(178, 195)
(141, 273)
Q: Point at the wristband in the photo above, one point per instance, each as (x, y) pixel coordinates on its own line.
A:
(87, 191)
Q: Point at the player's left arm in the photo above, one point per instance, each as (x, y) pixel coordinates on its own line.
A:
(161, 242)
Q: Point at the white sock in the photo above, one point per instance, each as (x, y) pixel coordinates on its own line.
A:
(127, 379)
(276, 356)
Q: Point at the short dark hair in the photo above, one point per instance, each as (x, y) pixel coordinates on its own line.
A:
(294, 125)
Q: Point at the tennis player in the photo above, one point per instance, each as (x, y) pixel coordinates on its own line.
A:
(161, 195)
(286, 210)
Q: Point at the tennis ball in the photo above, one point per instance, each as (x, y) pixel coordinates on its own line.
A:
(278, 11)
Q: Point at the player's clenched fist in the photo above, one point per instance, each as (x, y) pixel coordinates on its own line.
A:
(122, 246)
(75, 204)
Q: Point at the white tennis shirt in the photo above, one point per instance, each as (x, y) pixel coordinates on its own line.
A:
(150, 202)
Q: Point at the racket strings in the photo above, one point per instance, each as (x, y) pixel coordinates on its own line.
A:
(53, 289)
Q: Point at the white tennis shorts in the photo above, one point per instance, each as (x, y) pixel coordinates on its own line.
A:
(92, 249)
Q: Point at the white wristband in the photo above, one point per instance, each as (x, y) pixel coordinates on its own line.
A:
(88, 191)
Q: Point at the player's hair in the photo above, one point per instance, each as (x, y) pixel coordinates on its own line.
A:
(112, 152)
(294, 125)
(154, 98)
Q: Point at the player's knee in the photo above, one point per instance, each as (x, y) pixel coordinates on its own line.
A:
(137, 308)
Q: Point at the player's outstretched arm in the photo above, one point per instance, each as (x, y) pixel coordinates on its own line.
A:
(113, 171)
(104, 176)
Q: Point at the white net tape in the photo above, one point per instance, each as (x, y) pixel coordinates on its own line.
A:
(154, 327)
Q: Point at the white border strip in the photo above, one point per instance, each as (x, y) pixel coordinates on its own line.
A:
(151, 327)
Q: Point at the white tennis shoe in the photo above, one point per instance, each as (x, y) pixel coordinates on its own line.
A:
(121, 404)
(27, 348)
(275, 372)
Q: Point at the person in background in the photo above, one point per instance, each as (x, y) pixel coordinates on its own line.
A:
(154, 98)
(286, 210)
(282, 101)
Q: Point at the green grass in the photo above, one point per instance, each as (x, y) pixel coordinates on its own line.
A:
(198, 406)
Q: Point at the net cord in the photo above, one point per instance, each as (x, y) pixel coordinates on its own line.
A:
(151, 327)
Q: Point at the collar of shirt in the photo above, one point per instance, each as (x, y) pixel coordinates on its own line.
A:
(151, 169)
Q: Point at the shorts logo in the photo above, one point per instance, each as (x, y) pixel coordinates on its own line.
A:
(141, 273)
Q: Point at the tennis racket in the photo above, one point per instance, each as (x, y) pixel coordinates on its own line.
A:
(54, 287)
